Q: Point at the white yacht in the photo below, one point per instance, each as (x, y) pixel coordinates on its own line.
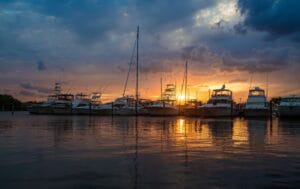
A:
(43, 108)
(81, 104)
(103, 109)
(220, 104)
(289, 106)
(257, 105)
(126, 105)
(98, 108)
(46, 107)
(167, 105)
(63, 104)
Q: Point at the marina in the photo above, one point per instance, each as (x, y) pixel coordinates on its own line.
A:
(220, 104)
(170, 94)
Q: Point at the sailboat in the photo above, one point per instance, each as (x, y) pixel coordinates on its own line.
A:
(128, 105)
(190, 107)
(166, 106)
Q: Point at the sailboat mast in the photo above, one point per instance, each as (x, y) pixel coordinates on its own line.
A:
(267, 86)
(185, 90)
(161, 95)
(137, 70)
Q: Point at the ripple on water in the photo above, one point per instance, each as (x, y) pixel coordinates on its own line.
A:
(147, 152)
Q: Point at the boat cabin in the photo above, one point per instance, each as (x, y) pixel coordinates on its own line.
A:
(256, 98)
(292, 100)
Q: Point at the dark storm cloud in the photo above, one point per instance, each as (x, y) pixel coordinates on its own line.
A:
(277, 17)
(198, 53)
(103, 31)
(96, 19)
(30, 87)
(41, 66)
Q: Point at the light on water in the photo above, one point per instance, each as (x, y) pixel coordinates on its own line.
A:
(147, 152)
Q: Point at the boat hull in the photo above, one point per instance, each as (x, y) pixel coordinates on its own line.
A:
(102, 112)
(192, 112)
(216, 112)
(163, 111)
(41, 110)
(129, 111)
(256, 112)
(81, 111)
(33, 110)
(62, 111)
(289, 111)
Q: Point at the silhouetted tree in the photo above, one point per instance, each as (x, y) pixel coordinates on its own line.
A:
(8, 103)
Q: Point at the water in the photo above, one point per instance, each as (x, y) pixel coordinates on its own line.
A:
(147, 152)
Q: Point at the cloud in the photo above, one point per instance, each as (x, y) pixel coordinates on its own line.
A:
(253, 64)
(215, 36)
(278, 18)
(30, 87)
(27, 93)
(238, 80)
(198, 53)
(41, 66)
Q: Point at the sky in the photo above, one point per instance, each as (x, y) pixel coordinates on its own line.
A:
(87, 45)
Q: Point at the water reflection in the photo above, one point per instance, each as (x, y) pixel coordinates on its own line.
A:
(147, 152)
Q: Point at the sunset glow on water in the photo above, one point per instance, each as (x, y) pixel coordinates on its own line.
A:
(142, 152)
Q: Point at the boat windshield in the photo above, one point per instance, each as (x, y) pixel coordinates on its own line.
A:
(65, 97)
(256, 93)
(221, 93)
(52, 97)
(81, 96)
(291, 99)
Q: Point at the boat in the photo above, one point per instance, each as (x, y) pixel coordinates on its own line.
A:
(98, 108)
(63, 104)
(127, 105)
(220, 104)
(192, 108)
(167, 105)
(41, 108)
(81, 104)
(46, 107)
(289, 106)
(103, 109)
(130, 105)
(256, 105)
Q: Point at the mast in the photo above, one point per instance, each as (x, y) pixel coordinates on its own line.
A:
(185, 89)
(137, 70)
(267, 86)
(161, 95)
(250, 85)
